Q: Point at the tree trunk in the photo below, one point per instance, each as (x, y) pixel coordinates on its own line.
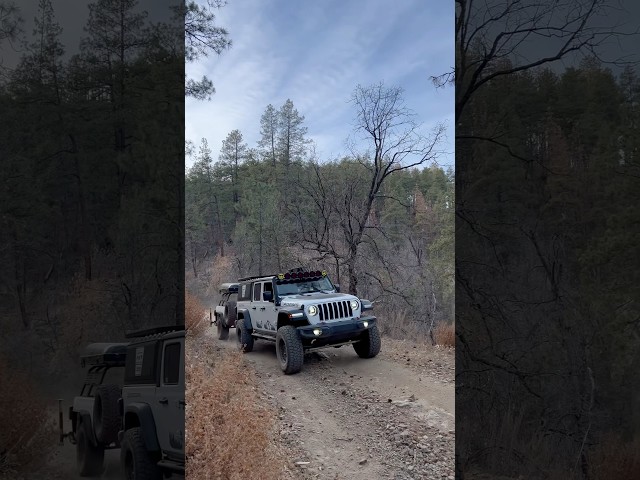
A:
(260, 242)
(219, 223)
(85, 242)
(351, 268)
(194, 258)
(21, 289)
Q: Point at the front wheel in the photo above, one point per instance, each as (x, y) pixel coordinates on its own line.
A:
(289, 349)
(137, 463)
(245, 340)
(369, 345)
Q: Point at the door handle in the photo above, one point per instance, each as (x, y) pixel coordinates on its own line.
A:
(163, 400)
(262, 308)
(181, 402)
(253, 308)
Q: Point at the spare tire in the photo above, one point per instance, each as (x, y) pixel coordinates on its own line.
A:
(106, 413)
(231, 314)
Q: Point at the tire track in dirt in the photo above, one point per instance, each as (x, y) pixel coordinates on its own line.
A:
(343, 417)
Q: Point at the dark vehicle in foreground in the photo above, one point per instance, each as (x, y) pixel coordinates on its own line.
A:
(142, 414)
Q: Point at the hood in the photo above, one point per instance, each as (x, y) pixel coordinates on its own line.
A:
(317, 297)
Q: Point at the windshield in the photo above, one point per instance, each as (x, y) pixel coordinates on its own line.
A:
(321, 285)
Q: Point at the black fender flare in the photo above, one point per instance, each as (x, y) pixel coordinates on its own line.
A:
(246, 319)
(147, 424)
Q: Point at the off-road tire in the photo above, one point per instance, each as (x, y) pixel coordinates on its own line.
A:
(369, 346)
(89, 458)
(245, 340)
(289, 349)
(135, 460)
(106, 414)
(223, 330)
(231, 314)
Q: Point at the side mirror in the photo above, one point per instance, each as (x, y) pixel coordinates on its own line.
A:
(267, 296)
(337, 285)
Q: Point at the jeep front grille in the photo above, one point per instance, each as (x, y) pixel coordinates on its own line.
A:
(335, 310)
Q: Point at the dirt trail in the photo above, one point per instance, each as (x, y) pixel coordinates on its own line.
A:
(343, 417)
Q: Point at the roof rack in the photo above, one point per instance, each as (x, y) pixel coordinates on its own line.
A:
(154, 331)
(104, 354)
(256, 276)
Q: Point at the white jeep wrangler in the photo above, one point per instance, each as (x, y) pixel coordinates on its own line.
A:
(302, 311)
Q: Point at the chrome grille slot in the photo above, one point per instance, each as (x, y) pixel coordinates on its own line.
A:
(335, 310)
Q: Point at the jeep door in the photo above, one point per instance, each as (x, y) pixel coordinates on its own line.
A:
(262, 312)
(169, 411)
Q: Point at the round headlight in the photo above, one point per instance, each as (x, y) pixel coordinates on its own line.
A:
(354, 304)
(313, 310)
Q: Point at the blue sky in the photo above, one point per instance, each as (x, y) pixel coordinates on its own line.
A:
(315, 53)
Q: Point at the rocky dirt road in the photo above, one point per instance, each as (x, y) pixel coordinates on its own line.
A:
(342, 417)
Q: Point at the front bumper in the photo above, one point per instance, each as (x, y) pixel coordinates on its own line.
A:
(335, 332)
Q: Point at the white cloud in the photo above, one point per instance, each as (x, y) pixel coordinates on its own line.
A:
(315, 53)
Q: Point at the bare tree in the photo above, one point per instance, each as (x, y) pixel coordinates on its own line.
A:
(10, 26)
(397, 143)
(493, 38)
(10, 21)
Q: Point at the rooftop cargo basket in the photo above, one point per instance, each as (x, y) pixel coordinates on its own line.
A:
(107, 354)
(228, 288)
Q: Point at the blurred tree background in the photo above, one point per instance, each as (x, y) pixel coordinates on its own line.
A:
(547, 244)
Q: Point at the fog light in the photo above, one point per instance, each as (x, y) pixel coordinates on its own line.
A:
(366, 324)
(317, 331)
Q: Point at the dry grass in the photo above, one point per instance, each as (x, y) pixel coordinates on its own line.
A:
(228, 429)
(194, 315)
(27, 432)
(614, 458)
(445, 335)
(395, 324)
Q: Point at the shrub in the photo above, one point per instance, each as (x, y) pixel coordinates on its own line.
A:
(194, 315)
(28, 432)
(445, 335)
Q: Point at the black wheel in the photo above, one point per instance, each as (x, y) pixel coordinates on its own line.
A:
(106, 414)
(289, 349)
(369, 346)
(89, 458)
(223, 330)
(245, 340)
(231, 313)
(137, 463)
